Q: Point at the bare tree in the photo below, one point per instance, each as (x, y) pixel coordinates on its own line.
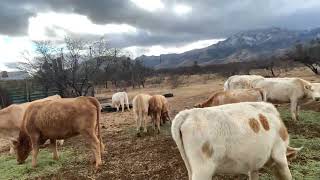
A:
(4, 74)
(308, 54)
(71, 69)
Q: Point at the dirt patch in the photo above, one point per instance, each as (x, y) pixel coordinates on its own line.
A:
(306, 130)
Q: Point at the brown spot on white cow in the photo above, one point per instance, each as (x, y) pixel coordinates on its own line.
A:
(254, 125)
(207, 149)
(283, 133)
(264, 122)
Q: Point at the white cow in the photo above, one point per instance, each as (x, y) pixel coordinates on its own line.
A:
(11, 119)
(237, 138)
(140, 105)
(120, 98)
(288, 90)
(240, 81)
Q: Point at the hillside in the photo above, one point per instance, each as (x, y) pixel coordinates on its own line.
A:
(242, 46)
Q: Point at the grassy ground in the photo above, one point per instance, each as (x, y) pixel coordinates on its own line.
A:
(46, 165)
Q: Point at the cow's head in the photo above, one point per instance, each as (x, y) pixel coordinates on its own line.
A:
(313, 91)
(165, 116)
(22, 147)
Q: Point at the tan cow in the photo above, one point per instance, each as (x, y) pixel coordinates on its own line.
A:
(288, 90)
(158, 110)
(11, 119)
(59, 119)
(233, 96)
(240, 81)
(239, 138)
(140, 105)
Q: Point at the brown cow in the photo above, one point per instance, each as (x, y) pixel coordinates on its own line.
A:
(233, 96)
(11, 120)
(59, 119)
(158, 110)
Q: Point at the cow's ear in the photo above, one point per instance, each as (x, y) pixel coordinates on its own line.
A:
(308, 87)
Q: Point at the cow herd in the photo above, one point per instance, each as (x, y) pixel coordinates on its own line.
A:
(235, 131)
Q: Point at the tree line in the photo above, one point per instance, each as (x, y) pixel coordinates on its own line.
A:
(77, 66)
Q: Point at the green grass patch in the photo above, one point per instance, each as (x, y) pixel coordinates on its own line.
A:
(304, 116)
(307, 164)
(9, 169)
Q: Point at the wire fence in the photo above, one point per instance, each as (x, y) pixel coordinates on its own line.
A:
(21, 91)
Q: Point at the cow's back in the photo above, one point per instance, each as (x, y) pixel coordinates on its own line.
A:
(281, 89)
(240, 81)
(141, 102)
(61, 118)
(156, 103)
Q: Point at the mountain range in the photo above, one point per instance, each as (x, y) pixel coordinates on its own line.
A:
(242, 46)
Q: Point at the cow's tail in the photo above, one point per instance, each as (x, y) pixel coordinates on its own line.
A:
(127, 102)
(177, 137)
(226, 85)
(98, 107)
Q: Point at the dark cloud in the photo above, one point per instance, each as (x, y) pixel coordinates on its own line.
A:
(208, 19)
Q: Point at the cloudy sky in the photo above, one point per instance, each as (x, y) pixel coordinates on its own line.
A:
(148, 27)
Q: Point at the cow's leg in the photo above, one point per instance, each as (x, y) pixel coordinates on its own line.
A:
(153, 120)
(53, 147)
(12, 151)
(297, 111)
(122, 106)
(128, 106)
(117, 106)
(95, 146)
(158, 119)
(144, 119)
(35, 149)
(254, 175)
(294, 110)
(138, 119)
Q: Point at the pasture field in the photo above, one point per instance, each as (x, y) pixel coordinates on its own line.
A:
(152, 156)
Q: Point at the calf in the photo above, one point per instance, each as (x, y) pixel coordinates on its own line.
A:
(240, 81)
(11, 120)
(235, 138)
(158, 110)
(140, 105)
(288, 90)
(233, 96)
(120, 98)
(59, 119)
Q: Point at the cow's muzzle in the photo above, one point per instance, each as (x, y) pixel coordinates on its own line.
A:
(317, 99)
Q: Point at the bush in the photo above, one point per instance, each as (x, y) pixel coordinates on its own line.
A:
(174, 81)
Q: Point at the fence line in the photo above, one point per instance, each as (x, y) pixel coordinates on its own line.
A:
(21, 91)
